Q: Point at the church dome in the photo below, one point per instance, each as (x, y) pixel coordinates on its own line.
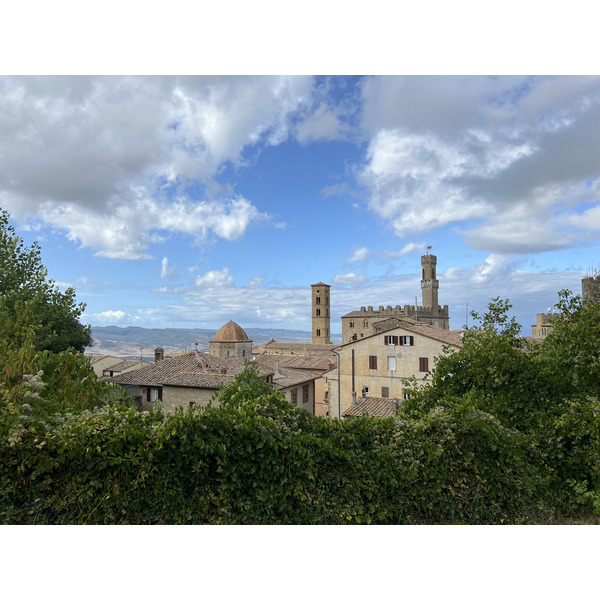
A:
(231, 332)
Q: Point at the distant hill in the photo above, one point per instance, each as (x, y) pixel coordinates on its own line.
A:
(131, 342)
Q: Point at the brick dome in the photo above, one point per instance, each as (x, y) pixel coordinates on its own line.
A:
(230, 332)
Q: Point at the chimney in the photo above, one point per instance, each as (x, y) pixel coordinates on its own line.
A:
(159, 354)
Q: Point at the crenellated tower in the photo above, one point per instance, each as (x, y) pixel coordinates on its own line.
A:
(429, 284)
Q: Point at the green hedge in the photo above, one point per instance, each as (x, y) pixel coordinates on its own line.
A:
(262, 461)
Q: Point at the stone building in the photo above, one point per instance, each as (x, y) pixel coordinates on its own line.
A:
(359, 323)
(230, 340)
(380, 364)
(543, 326)
(189, 379)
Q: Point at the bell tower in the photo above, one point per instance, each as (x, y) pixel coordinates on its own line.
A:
(320, 313)
(429, 284)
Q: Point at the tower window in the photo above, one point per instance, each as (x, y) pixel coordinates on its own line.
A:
(318, 312)
(351, 323)
(318, 300)
(318, 333)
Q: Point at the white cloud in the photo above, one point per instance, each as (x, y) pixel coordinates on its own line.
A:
(256, 281)
(215, 279)
(359, 254)
(93, 155)
(348, 279)
(509, 158)
(322, 125)
(108, 317)
(166, 271)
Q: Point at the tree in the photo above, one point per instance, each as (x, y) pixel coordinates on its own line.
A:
(24, 281)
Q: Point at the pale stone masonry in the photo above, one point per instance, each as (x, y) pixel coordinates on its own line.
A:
(381, 364)
(321, 317)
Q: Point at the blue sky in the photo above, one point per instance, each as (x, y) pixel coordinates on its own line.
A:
(189, 201)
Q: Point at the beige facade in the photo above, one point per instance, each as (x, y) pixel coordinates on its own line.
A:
(174, 397)
(100, 363)
(381, 364)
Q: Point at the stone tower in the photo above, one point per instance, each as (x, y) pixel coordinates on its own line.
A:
(320, 313)
(429, 284)
(590, 288)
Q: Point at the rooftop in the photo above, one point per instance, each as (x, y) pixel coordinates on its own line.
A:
(231, 332)
(374, 407)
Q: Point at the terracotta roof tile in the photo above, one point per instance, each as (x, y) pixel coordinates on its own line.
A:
(375, 407)
(230, 332)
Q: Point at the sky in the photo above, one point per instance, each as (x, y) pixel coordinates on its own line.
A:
(187, 201)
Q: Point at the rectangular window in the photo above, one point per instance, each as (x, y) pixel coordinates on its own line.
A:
(304, 393)
(317, 300)
(423, 365)
(405, 396)
(351, 323)
(192, 404)
(391, 363)
(406, 340)
(155, 394)
(318, 333)
(385, 392)
(294, 397)
(318, 312)
(372, 362)
(390, 340)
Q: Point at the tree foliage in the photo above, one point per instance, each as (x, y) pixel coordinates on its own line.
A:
(24, 286)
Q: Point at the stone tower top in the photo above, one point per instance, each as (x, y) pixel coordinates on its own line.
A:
(429, 284)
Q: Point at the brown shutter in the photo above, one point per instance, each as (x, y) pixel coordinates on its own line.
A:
(395, 340)
(385, 340)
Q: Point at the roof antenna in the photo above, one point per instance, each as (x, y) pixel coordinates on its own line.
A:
(141, 352)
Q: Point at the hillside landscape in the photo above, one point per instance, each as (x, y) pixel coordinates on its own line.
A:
(130, 342)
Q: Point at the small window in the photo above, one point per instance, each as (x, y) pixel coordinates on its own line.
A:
(406, 340)
(385, 392)
(318, 313)
(351, 324)
(317, 300)
(365, 324)
(192, 404)
(294, 397)
(390, 340)
(423, 365)
(318, 333)
(391, 363)
(304, 393)
(372, 362)
(405, 396)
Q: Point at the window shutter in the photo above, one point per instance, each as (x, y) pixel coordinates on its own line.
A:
(385, 340)
(401, 341)
(395, 340)
(412, 340)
